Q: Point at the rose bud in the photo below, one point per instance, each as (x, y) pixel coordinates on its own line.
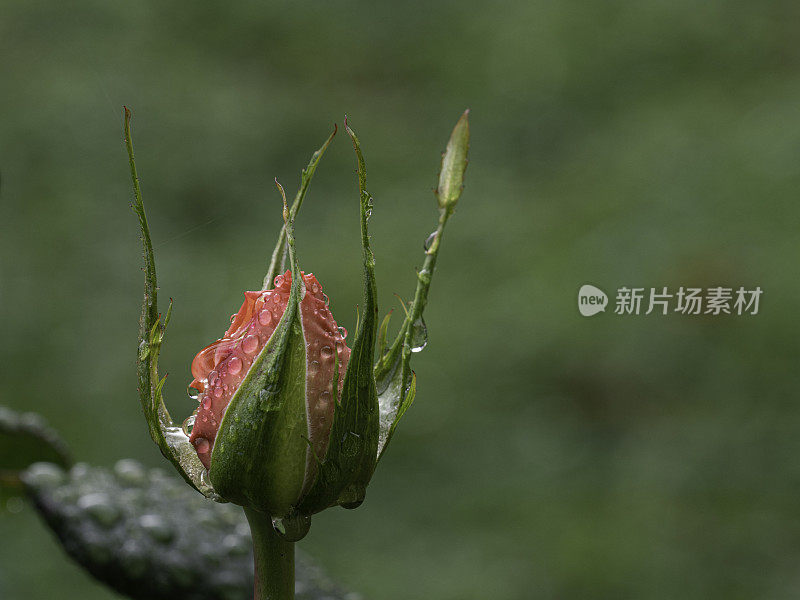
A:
(291, 421)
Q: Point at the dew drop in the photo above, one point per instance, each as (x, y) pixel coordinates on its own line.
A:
(212, 378)
(218, 392)
(250, 343)
(206, 403)
(313, 368)
(202, 445)
(419, 335)
(157, 528)
(342, 331)
(194, 393)
(235, 365)
(324, 400)
(279, 281)
(265, 317)
(429, 241)
(188, 424)
(325, 353)
(99, 506)
(352, 497)
(325, 299)
(292, 527)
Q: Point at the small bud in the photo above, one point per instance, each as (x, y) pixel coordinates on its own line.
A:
(291, 382)
(454, 164)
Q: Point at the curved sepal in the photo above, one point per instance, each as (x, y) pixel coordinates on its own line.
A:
(259, 457)
(348, 465)
(277, 263)
(170, 438)
(393, 375)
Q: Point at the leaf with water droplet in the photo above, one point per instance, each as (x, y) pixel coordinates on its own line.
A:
(158, 540)
(395, 380)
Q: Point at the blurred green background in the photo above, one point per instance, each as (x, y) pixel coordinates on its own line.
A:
(651, 143)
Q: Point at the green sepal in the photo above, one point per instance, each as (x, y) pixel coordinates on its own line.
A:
(170, 438)
(277, 263)
(348, 465)
(259, 455)
(393, 375)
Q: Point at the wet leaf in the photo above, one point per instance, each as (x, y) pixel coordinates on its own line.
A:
(149, 537)
(25, 439)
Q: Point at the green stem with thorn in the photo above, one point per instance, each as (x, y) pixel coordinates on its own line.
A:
(274, 559)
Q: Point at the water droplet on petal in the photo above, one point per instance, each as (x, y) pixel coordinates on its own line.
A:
(218, 392)
(212, 378)
(265, 317)
(325, 353)
(193, 392)
(279, 281)
(313, 368)
(206, 403)
(250, 343)
(234, 365)
(324, 400)
(325, 299)
(202, 445)
(342, 331)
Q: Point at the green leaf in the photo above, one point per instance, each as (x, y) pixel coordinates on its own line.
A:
(277, 263)
(25, 439)
(393, 375)
(350, 460)
(149, 537)
(170, 438)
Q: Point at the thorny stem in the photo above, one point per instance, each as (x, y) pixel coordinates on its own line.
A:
(274, 559)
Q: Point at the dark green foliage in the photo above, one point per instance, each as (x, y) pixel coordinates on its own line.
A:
(151, 537)
(25, 439)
